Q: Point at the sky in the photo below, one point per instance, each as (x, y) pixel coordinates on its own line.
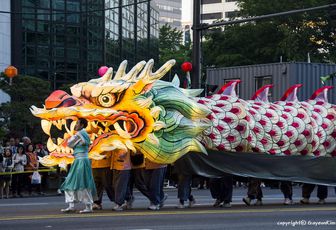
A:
(186, 10)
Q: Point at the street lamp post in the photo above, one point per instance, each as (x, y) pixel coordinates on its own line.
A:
(196, 49)
(54, 81)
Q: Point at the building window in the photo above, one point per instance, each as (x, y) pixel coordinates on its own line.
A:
(262, 81)
(212, 16)
(231, 14)
(211, 1)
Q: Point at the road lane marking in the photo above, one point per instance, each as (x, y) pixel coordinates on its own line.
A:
(23, 204)
(157, 213)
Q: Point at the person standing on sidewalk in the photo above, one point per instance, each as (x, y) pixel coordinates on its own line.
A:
(20, 161)
(79, 185)
(7, 164)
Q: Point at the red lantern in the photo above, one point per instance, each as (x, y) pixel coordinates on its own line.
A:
(186, 66)
(11, 71)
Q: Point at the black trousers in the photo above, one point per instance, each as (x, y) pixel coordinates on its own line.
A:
(287, 189)
(221, 188)
(307, 189)
(138, 180)
(254, 191)
(103, 180)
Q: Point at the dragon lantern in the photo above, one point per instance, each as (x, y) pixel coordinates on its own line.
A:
(138, 112)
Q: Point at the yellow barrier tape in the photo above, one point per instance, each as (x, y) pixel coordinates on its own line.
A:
(40, 170)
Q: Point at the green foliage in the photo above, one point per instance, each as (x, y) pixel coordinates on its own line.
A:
(24, 92)
(170, 47)
(291, 37)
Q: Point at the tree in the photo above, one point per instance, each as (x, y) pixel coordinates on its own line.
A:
(291, 37)
(24, 92)
(171, 47)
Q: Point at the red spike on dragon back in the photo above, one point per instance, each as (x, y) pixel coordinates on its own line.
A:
(286, 127)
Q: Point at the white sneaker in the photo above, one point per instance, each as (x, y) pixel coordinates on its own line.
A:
(59, 192)
(227, 205)
(163, 200)
(87, 210)
(154, 207)
(192, 203)
(288, 201)
(258, 203)
(180, 206)
(304, 201)
(118, 207)
(68, 209)
(129, 204)
(321, 201)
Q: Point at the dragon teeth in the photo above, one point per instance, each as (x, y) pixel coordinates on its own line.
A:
(94, 124)
(119, 145)
(46, 126)
(72, 127)
(51, 145)
(100, 132)
(59, 141)
(121, 132)
(130, 145)
(124, 125)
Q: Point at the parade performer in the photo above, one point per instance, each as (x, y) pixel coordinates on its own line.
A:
(79, 184)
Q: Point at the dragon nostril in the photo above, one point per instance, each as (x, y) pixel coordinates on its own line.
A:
(68, 102)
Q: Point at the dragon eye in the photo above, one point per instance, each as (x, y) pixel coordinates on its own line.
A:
(107, 100)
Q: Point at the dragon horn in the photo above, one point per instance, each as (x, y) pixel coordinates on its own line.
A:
(162, 71)
(121, 70)
(108, 75)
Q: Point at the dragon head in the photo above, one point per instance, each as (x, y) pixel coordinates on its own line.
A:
(133, 111)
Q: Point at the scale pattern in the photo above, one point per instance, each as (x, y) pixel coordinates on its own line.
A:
(280, 128)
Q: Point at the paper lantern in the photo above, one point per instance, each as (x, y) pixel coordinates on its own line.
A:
(186, 66)
(102, 70)
(11, 71)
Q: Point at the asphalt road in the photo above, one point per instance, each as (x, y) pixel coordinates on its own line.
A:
(43, 213)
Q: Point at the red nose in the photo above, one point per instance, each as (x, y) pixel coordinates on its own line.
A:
(59, 98)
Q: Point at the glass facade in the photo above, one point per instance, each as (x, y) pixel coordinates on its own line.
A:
(66, 41)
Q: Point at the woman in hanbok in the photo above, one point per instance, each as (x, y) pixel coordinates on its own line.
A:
(79, 185)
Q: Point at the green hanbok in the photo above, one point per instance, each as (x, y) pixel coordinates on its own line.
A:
(79, 184)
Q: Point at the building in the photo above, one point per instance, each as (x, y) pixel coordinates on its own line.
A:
(214, 10)
(170, 12)
(281, 75)
(187, 33)
(5, 35)
(66, 41)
